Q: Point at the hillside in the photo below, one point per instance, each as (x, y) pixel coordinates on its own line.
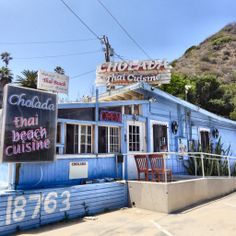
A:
(216, 56)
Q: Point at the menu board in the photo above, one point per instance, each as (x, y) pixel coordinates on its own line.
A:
(28, 125)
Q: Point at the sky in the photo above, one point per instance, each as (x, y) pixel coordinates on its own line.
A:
(31, 29)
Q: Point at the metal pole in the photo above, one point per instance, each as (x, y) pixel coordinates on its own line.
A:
(96, 125)
(203, 171)
(229, 171)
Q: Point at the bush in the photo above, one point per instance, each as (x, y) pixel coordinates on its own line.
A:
(221, 40)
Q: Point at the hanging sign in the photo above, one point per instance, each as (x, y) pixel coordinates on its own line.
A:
(28, 125)
(78, 170)
(154, 72)
(111, 116)
(52, 82)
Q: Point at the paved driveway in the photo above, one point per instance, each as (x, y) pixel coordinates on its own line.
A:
(214, 218)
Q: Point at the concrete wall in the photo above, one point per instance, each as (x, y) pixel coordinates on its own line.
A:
(170, 197)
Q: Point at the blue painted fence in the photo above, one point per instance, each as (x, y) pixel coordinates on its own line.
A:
(22, 210)
(56, 174)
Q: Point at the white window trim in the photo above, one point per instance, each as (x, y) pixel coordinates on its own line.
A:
(119, 137)
(142, 146)
(86, 142)
(157, 122)
(79, 138)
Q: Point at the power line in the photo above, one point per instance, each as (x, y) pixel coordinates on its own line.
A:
(123, 28)
(48, 42)
(79, 18)
(55, 56)
(82, 74)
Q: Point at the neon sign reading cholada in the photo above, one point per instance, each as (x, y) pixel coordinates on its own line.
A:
(29, 124)
(34, 102)
(123, 73)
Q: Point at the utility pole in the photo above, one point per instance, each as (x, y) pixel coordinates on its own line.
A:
(108, 50)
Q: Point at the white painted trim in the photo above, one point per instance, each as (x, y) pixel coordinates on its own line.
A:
(81, 156)
(157, 122)
(204, 129)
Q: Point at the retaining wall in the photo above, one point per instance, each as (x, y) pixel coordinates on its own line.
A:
(170, 197)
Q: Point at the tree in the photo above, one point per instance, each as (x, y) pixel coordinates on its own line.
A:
(177, 85)
(6, 76)
(28, 78)
(6, 57)
(59, 70)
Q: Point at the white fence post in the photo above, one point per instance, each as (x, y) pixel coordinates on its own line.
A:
(229, 171)
(203, 171)
(164, 156)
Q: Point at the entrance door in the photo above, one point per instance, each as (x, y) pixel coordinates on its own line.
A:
(160, 137)
(136, 137)
(136, 142)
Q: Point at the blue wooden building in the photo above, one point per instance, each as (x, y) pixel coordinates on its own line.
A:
(135, 118)
(96, 141)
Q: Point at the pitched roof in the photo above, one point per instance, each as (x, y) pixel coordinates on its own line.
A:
(146, 88)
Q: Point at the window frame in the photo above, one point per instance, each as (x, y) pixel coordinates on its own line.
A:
(109, 140)
(202, 129)
(79, 125)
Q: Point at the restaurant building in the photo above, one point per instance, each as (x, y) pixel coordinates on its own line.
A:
(102, 136)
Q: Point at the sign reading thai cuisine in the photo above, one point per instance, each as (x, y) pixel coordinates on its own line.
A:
(154, 72)
(111, 116)
(28, 125)
(52, 82)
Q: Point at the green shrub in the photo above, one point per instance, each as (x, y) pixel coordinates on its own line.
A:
(221, 40)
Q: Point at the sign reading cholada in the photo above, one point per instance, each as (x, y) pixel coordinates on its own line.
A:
(52, 82)
(154, 72)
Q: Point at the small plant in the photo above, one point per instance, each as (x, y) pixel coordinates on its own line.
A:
(213, 165)
(86, 210)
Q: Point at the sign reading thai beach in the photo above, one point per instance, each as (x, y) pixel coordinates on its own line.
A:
(154, 72)
(28, 125)
(52, 82)
(111, 116)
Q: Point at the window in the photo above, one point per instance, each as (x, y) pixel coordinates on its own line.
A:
(79, 139)
(134, 138)
(128, 110)
(109, 139)
(205, 140)
(132, 109)
(160, 138)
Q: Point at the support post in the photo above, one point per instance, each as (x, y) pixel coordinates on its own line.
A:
(96, 125)
(203, 171)
(165, 173)
(229, 171)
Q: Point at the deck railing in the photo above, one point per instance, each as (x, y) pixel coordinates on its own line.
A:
(192, 164)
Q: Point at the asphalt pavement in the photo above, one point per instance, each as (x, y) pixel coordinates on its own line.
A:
(216, 218)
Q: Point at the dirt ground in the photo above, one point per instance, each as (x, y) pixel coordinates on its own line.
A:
(214, 218)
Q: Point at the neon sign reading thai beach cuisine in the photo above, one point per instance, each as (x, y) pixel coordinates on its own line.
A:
(124, 73)
(29, 124)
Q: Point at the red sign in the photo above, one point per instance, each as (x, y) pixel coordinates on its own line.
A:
(111, 116)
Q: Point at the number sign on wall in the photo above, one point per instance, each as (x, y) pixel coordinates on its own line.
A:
(28, 125)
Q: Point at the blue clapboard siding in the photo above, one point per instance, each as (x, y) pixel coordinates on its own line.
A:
(57, 173)
(32, 208)
(3, 174)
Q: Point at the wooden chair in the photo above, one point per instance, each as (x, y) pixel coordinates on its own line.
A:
(158, 170)
(142, 165)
